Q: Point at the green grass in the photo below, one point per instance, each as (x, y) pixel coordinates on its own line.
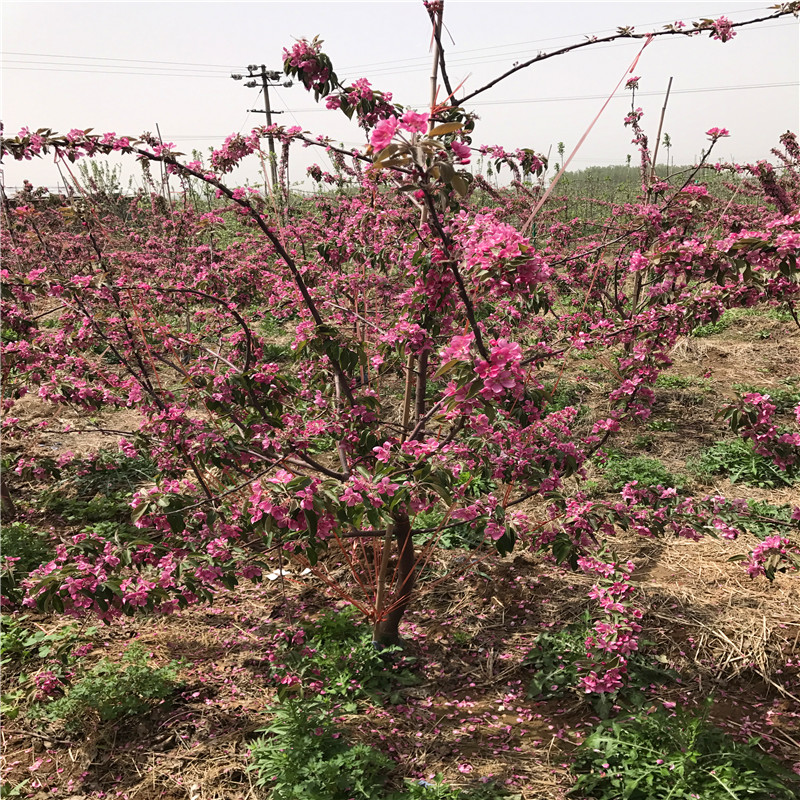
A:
(657, 754)
(668, 381)
(737, 460)
(620, 470)
(734, 315)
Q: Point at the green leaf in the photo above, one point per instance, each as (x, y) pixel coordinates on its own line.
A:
(447, 127)
(460, 185)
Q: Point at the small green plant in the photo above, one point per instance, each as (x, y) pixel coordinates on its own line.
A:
(642, 441)
(322, 444)
(23, 549)
(658, 754)
(661, 425)
(268, 324)
(97, 489)
(277, 352)
(17, 790)
(340, 654)
(712, 328)
(620, 470)
(433, 527)
(737, 459)
(20, 643)
(113, 691)
(765, 519)
(439, 790)
(304, 756)
(564, 395)
(735, 314)
(667, 381)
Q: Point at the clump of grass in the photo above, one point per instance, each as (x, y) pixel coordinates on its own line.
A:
(661, 754)
(733, 315)
(667, 381)
(621, 470)
(736, 459)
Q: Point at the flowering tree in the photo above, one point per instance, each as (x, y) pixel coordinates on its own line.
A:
(424, 322)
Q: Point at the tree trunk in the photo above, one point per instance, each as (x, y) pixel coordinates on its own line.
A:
(387, 628)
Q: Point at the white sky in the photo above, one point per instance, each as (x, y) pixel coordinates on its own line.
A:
(68, 65)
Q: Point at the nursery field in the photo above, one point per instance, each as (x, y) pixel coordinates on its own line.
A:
(460, 476)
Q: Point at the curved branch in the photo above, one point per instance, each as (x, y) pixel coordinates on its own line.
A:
(789, 8)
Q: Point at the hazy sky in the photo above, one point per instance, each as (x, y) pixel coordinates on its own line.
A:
(125, 67)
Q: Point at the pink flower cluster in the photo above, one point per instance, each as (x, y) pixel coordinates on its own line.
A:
(502, 372)
(385, 130)
(723, 30)
(717, 133)
(304, 57)
(772, 548)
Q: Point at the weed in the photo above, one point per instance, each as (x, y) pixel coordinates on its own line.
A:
(643, 441)
(305, 757)
(620, 470)
(340, 656)
(99, 488)
(666, 381)
(273, 352)
(661, 425)
(461, 637)
(661, 754)
(19, 643)
(24, 548)
(564, 395)
(711, 328)
(765, 519)
(737, 459)
(735, 314)
(269, 325)
(439, 790)
(18, 790)
(322, 444)
(451, 537)
(112, 691)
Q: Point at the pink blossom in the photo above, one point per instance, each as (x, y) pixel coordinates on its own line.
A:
(384, 133)
(413, 122)
(723, 30)
(461, 151)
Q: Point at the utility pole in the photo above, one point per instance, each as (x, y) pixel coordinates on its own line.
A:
(268, 78)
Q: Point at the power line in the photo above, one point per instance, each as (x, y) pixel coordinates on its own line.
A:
(133, 60)
(112, 66)
(707, 89)
(525, 100)
(113, 72)
(411, 62)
